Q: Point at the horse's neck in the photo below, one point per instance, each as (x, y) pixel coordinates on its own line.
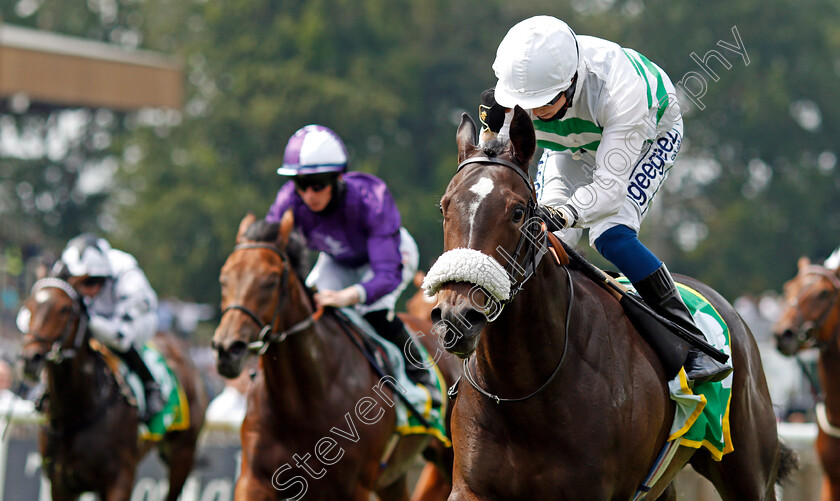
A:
(829, 371)
(296, 369)
(72, 385)
(528, 338)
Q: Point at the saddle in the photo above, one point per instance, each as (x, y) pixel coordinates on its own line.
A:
(175, 414)
(415, 414)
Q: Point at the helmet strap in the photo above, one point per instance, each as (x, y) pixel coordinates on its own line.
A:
(570, 96)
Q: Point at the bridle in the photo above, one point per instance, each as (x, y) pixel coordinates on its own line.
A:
(58, 352)
(268, 335)
(534, 253)
(807, 328)
(532, 260)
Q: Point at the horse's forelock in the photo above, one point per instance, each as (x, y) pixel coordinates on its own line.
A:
(295, 249)
(494, 148)
(262, 231)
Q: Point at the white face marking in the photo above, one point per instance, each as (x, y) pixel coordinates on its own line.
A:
(42, 296)
(482, 188)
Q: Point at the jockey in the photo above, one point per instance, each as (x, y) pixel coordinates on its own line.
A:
(120, 302)
(366, 257)
(610, 125)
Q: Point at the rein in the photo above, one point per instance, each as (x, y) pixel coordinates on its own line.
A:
(469, 377)
(268, 335)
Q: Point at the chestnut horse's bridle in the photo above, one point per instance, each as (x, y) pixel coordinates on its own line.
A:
(534, 254)
(804, 333)
(268, 335)
(58, 352)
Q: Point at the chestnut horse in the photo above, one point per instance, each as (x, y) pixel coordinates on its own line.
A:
(811, 318)
(90, 440)
(564, 395)
(314, 393)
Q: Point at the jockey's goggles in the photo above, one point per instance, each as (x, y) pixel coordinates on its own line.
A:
(315, 183)
(92, 281)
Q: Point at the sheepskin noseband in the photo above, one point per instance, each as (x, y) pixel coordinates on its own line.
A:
(471, 266)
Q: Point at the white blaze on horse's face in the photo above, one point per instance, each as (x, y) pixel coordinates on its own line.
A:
(482, 188)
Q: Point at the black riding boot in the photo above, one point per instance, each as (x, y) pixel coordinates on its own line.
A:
(154, 398)
(396, 332)
(660, 293)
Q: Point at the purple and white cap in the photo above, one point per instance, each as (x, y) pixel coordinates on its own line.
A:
(314, 149)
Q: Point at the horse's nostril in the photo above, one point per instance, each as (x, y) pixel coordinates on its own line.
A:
(237, 349)
(474, 318)
(436, 314)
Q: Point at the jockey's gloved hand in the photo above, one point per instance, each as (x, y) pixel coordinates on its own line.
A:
(491, 113)
(104, 329)
(558, 218)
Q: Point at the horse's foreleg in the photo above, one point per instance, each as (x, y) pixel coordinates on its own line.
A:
(398, 491)
(120, 490)
(669, 494)
(180, 459)
(432, 485)
(830, 490)
(250, 489)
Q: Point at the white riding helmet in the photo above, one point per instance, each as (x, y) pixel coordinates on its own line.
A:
(314, 149)
(535, 61)
(87, 255)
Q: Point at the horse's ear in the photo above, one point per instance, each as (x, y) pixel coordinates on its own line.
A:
(803, 262)
(246, 223)
(466, 137)
(287, 224)
(522, 136)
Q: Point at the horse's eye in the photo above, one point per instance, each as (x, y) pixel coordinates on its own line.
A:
(823, 295)
(440, 208)
(65, 310)
(271, 283)
(518, 214)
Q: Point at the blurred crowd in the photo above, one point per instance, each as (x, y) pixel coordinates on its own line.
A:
(792, 392)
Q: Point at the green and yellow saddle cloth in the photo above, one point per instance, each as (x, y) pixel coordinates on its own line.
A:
(702, 413)
(175, 414)
(701, 418)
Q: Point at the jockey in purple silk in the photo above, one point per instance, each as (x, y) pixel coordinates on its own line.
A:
(366, 257)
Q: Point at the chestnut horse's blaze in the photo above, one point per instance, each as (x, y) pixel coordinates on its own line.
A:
(811, 318)
(578, 407)
(90, 441)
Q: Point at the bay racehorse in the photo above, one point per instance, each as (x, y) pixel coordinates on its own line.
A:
(314, 393)
(90, 440)
(811, 319)
(565, 399)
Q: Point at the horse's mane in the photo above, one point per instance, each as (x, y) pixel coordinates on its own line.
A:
(264, 231)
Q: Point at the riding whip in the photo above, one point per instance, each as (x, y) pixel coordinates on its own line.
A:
(639, 311)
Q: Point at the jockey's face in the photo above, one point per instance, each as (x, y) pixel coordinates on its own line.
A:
(90, 286)
(316, 200)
